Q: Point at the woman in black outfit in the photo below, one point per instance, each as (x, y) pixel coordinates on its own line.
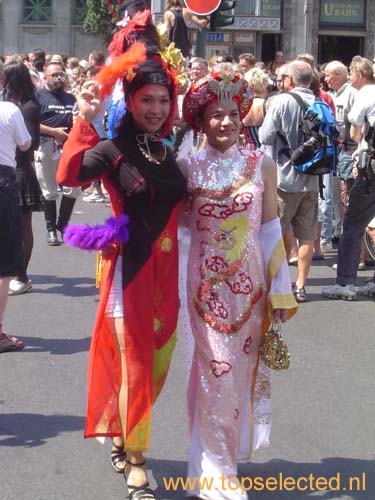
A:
(176, 19)
(135, 328)
(19, 89)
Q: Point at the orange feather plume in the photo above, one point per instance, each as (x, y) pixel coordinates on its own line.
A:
(109, 75)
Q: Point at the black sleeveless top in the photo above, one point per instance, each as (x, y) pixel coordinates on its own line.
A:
(179, 33)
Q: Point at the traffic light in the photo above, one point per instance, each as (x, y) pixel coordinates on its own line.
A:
(222, 17)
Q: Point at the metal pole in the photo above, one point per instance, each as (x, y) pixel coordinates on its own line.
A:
(305, 12)
(200, 46)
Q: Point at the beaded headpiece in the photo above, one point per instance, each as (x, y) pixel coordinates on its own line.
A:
(221, 86)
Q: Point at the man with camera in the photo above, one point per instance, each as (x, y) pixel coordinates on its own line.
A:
(297, 192)
(361, 208)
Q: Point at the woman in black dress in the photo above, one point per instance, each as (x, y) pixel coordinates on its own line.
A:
(19, 89)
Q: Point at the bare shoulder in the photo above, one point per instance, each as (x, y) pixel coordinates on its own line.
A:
(168, 16)
(269, 170)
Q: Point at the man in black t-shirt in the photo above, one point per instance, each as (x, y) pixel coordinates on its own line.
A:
(56, 122)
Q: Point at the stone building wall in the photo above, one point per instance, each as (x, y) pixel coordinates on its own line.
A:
(58, 37)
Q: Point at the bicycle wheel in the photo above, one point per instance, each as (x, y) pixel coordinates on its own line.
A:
(370, 244)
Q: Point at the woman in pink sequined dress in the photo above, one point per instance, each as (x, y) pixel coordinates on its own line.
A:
(237, 280)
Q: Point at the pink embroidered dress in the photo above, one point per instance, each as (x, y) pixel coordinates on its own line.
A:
(229, 392)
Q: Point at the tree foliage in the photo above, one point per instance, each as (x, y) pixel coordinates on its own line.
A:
(99, 19)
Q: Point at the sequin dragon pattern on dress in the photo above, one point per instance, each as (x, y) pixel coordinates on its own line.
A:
(226, 294)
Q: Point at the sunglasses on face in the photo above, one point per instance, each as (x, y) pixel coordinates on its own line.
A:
(57, 76)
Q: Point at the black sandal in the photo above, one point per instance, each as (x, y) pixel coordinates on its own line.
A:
(143, 492)
(299, 293)
(118, 454)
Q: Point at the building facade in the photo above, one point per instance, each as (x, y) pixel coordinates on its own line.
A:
(329, 29)
(52, 25)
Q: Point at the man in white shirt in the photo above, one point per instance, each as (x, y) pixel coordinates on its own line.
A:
(13, 134)
(361, 208)
(336, 76)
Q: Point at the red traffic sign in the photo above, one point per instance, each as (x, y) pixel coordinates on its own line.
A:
(203, 7)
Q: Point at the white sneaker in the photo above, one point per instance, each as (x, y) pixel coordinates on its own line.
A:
(361, 266)
(326, 247)
(347, 292)
(94, 198)
(18, 287)
(368, 290)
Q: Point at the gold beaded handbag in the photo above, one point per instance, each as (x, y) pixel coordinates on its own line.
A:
(274, 350)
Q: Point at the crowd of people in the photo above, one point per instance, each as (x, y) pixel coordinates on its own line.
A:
(216, 211)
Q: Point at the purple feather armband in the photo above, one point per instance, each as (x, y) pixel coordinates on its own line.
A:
(97, 237)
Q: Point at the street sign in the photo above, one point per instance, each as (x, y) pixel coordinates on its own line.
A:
(215, 37)
(202, 7)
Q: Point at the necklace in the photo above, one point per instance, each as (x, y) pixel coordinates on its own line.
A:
(144, 148)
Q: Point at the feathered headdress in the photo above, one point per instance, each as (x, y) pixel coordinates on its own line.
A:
(121, 66)
(136, 67)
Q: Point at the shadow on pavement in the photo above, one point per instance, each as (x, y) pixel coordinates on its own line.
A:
(362, 473)
(55, 346)
(31, 429)
(70, 287)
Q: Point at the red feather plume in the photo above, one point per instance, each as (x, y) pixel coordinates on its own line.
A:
(109, 75)
(139, 20)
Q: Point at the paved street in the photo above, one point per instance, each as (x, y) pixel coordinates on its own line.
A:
(323, 407)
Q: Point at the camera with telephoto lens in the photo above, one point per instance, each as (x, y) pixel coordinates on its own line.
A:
(364, 161)
(306, 151)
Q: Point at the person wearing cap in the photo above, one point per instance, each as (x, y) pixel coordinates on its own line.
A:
(83, 63)
(57, 59)
(237, 283)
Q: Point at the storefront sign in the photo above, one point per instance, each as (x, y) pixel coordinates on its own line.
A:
(270, 8)
(248, 38)
(342, 12)
(215, 37)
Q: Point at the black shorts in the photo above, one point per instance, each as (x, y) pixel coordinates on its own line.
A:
(11, 253)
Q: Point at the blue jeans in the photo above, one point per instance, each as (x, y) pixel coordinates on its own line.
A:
(361, 210)
(326, 210)
(343, 174)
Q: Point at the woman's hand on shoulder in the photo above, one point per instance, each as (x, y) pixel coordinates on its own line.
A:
(88, 101)
(183, 167)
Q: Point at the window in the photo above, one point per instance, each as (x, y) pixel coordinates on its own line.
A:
(264, 8)
(37, 11)
(245, 7)
(79, 11)
(270, 8)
